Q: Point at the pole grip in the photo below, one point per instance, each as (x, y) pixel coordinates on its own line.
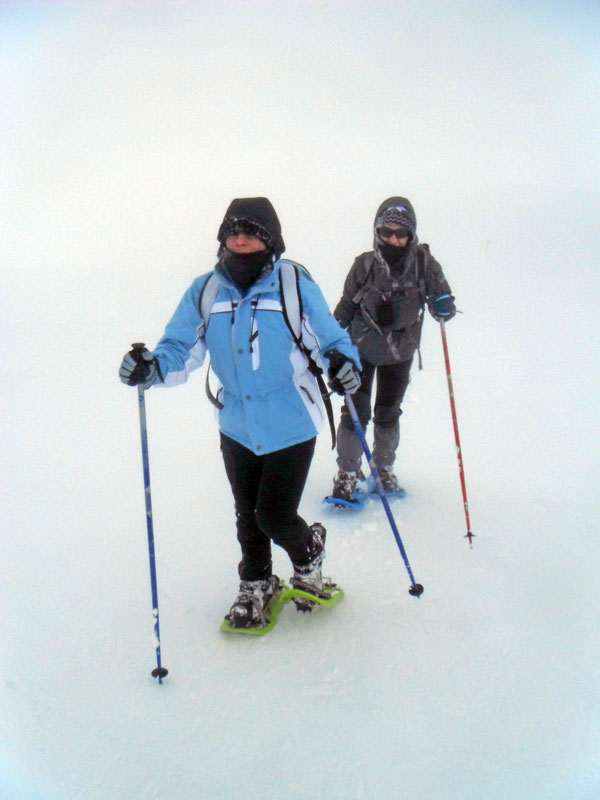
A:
(137, 350)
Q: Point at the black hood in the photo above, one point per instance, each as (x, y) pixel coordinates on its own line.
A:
(397, 210)
(404, 212)
(259, 211)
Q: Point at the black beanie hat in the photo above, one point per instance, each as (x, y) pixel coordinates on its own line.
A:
(261, 219)
(396, 210)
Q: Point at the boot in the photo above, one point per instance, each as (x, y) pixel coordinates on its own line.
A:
(308, 576)
(388, 479)
(248, 609)
(344, 485)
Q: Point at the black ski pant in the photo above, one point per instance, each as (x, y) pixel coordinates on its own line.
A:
(267, 491)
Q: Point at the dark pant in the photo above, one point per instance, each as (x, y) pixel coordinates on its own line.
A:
(392, 380)
(267, 491)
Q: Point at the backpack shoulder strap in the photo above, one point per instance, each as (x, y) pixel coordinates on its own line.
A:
(364, 287)
(291, 298)
(206, 301)
(422, 252)
(207, 298)
(291, 304)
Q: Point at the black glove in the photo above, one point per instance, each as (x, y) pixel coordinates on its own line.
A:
(442, 307)
(344, 378)
(139, 366)
(384, 314)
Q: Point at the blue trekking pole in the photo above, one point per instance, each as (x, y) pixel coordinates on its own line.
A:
(159, 672)
(416, 589)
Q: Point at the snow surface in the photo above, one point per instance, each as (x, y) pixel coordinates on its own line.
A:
(127, 128)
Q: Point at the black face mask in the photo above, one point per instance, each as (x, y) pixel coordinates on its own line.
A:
(393, 256)
(244, 268)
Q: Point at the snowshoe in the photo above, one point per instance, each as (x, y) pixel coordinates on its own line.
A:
(328, 595)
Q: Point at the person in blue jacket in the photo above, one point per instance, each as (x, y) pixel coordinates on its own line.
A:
(270, 407)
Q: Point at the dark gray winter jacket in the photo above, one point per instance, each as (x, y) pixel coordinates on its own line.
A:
(371, 284)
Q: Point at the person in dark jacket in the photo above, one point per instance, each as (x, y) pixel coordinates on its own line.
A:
(270, 407)
(382, 306)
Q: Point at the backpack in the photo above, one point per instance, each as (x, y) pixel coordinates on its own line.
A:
(419, 287)
(291, 304)
(422, 249)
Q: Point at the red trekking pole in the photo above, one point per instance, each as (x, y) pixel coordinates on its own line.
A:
(463, 484)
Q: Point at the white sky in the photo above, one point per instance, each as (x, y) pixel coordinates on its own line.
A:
(129, 126)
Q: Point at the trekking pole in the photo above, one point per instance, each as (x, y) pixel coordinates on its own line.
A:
(461, 470)
(159, 672)
(416, 589)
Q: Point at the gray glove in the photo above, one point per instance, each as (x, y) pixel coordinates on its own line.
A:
(139, 366)
(344, 378)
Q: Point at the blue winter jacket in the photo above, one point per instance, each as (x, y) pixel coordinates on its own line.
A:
(270, 398)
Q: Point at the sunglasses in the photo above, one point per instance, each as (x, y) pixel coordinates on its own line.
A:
(249, 228)
(387, 233)
(244, 226)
